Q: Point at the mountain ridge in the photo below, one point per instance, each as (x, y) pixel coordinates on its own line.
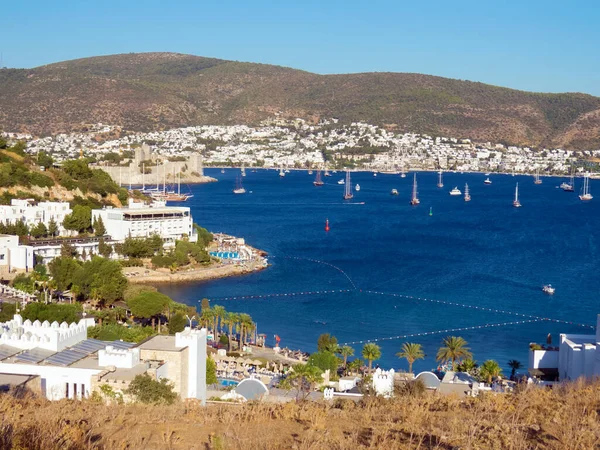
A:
(154, 91)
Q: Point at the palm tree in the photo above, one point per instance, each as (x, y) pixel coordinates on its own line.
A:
(207, 318)
(371, 352)
(411, 352)
(230, 320)
(219, 313)
(304, 376)
(468, 365)
(246, 324)
(346, 351)
(489, 370)
(514, 365)
(454, 348)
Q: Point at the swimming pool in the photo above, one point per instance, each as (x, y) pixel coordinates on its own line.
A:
(227, 382)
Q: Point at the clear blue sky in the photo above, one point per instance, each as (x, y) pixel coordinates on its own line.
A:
(545, 46)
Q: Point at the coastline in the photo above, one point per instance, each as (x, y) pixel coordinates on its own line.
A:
(140, 275)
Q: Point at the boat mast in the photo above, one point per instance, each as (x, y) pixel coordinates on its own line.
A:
(517, 193)
(179, 183)
(414, 192)
(143, 176)
(157, 177)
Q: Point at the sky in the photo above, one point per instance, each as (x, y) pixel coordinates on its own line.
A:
(541, 46)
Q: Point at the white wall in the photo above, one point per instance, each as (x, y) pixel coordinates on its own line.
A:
(543, 359)
(196, 341)
(55, 379)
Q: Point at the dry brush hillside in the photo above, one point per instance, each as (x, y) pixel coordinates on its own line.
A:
(150, 91)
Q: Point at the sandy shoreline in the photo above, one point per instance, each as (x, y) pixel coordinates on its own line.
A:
(141, 275)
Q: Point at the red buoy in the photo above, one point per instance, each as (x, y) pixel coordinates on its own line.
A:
(326, 224)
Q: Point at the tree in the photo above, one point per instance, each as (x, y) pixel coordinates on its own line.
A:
(24, 283)
(63, 270)
(219, 315)
(67, 250)
(52, 228)
(101, 279)
(204, 304)
(211, 371)
(148, 390)
(453, 349)
(79, 220)
(45, 160)
(411, 352)
(327, 343)
(514, 366)
(133, 290)
(302, 377)
(468, 366)
(39, 230)
(52, 312)
(207, 317)
(325, 361)
(345, 352)
(230, 320)
(99, 228)
(177, 323)
(245, 324)
(104, 249)
(490, 370)
(371, 352)
(148, 305)
(354, 365)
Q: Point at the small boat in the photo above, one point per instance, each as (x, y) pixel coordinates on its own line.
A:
(537, 179)
(487, 174)
(440, 182)
(335, 171)
(430, 211)
(239, 189)
(374, 174)
(548, 289)
(487, 181)
(348, 187)
(570, 186)
(318, 181)
(327, 174)
(222, 170)
(403, 174)
(341, 181)
(357, 187)
(455, 191)
(516, 202)
(467, 194)
(287, 170)
(281, 173)
(394, 192)
(310, 172)
(585, 195)
(414, 199)
(243, 171)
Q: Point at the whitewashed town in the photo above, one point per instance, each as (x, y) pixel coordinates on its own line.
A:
(297, 144)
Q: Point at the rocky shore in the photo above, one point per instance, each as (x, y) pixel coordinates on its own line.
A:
(140, 275)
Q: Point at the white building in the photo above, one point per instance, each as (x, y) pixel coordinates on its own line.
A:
(577, 355)
(32, 212)
(14, 256)
(139, 220)
(47, 249)
(69, 365)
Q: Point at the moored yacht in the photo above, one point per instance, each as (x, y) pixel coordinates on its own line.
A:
(516, 202)
(585, 194)
(414, 199)
(467, 193)
(455, 191)
(357, 187)
(487, 181)
(394, 192)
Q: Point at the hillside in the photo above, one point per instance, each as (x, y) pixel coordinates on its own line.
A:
(22, 176)
(563, 418)
(163, 90)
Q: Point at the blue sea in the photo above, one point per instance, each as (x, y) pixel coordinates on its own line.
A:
(467, 266)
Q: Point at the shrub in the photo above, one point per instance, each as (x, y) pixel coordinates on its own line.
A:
(148, 390)
(52, 312)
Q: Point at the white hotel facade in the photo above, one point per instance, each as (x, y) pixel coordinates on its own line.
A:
(171, 223)
(32, 213)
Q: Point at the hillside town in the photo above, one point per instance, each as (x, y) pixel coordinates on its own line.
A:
(298, 144)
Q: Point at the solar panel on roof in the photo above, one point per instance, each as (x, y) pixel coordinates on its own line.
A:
(33, 356)
(7, 351)
(122, 344)
(89, 346)
(65, 358)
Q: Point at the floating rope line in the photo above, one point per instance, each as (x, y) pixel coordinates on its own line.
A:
(287, 294)
(449, 330)
(326, 264)
(480, 308)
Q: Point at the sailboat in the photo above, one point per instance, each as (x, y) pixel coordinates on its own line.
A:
(318, 181)
(243, 171)
(414, 199)
(402, 173)
(585, 195)
(173, 196)
(516, 202)
(357, 187)
(239, 189)
(537, 177)
(348, 187)
(467, 194)
(281, 172)
(327, 174)
(440, 183)
(570, 186)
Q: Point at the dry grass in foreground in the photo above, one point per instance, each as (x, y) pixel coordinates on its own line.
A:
(564, 418)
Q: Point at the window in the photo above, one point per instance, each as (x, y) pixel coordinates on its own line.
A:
(74, 390)
(82, 390)
(66, 390)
